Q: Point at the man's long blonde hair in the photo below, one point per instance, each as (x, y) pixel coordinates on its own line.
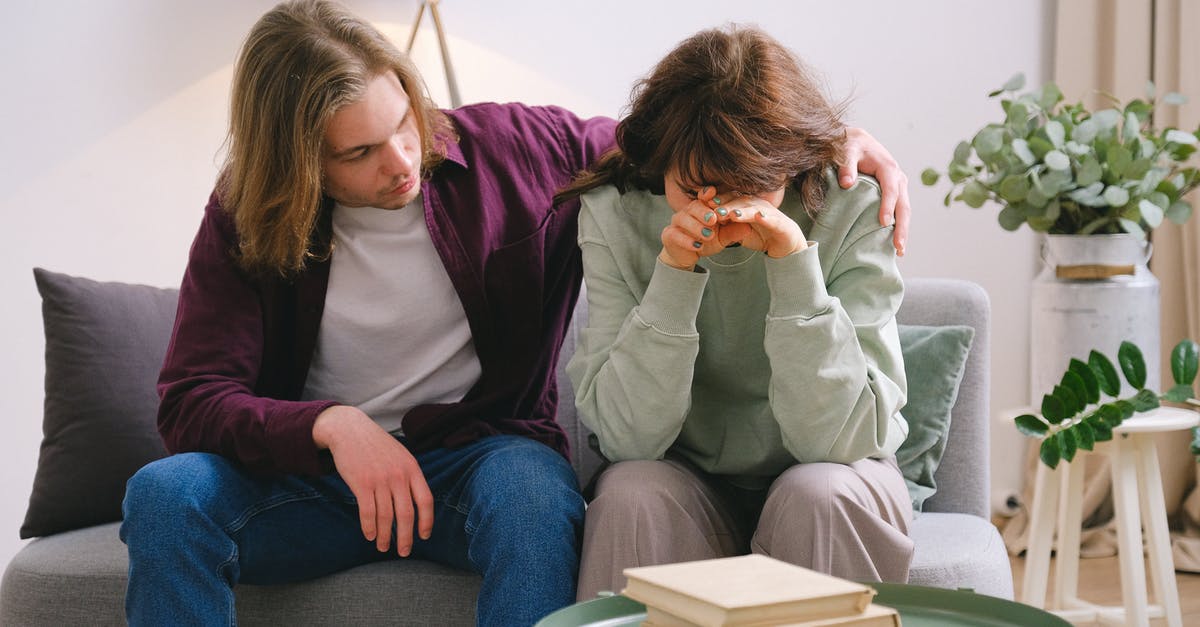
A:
(300, 63)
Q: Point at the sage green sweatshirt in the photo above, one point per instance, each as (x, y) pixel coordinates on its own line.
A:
(746, 365)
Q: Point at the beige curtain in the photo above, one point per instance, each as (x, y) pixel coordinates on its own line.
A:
(1116, 46)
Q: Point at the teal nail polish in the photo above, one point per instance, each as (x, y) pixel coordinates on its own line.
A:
(696, 244)
(706, 232)
(723, 211)
(709, 216)
(716, 201)
(737, 212)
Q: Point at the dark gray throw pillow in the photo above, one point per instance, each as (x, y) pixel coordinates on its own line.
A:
(105, 344)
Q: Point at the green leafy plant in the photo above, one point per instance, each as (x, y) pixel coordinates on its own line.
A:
(1073, 418)
(1062, 169)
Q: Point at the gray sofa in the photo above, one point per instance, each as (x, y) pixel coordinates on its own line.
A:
(77, 577)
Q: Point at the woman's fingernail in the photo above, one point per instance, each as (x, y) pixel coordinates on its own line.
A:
(706, 232)
(696, 244)
(723, 212)
(708, 216)
(737, 212)
(716, 201)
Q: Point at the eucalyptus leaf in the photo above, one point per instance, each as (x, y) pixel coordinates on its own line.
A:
(1179, 212)
(974, 194)
(1057, 160)
(1115, 196)
(1152, 214)
(1089, 171)
(1085, 131)
(1106, 374)
(1049, 95)
(1180, 137)
(1106, 121)
(1020, 148)
(1014, 188)
(1133, 365)
(1131, 227)
(929, 176)
(962, 152)
(1185, 360)
(1010, 218)
(1119, 159)
(1056, 133)
(1132, 127)
(1014, 83)
(1031, 425)
(1078, 149)
(988, 141)
(1174, 98)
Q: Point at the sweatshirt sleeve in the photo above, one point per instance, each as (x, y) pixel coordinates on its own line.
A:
(837, 376)
(633, 368)
(206, 386)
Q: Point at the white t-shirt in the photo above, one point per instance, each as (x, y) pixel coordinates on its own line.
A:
(394, 333)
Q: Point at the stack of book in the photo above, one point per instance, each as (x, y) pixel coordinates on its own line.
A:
(752, 590)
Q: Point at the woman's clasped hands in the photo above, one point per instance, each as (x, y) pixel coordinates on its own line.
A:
(705, 224)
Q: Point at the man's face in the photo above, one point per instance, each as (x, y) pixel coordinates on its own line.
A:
(373, 149)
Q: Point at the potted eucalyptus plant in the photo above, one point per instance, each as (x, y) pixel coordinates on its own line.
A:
(1095, 183)
(1065, 170)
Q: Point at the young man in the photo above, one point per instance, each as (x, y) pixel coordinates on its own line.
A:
(362, 365)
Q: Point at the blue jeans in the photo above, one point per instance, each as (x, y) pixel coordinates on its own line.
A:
(196, 524)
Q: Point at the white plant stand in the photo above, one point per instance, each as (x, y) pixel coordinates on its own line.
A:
(1138, 502)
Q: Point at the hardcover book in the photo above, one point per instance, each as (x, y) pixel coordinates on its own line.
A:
(744, 590)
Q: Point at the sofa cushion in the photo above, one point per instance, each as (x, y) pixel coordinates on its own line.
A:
(934, 360)
(105, 344)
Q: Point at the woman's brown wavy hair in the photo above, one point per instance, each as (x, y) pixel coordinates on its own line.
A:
(731, 103)
(301, 62)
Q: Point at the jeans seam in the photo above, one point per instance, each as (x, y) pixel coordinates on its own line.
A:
(237, 523)
(232, 559)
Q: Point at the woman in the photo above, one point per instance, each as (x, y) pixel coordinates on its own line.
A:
(741, 364)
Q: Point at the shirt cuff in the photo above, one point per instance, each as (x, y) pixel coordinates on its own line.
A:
(797, 284)
(672, 299)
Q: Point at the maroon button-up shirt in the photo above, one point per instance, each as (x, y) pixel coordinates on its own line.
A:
(241, 347)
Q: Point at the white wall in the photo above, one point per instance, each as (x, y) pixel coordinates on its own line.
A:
(113, 115)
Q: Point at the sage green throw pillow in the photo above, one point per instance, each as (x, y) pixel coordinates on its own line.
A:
(934, 360)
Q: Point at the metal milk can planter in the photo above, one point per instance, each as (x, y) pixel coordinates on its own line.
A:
(1094, 291)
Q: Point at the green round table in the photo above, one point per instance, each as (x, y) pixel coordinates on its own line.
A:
(919, 606)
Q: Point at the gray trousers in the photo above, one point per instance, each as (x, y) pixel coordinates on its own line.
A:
(850, 521)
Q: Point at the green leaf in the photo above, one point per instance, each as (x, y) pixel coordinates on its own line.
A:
(1089, 171)
(1145, 400)
(1084, 436)
(960, 172)
(974, 194)
(1071, 404)
(1014, 83)
(1031, 425)
(1185, 361)
(988, 141)
(1079, 390)
(1040, 147)
(1050, 452)
(962, 152)
(1053, 410)
(1110, 414)
(1093, 226)
(1021, 149)
(1174, 98)
(1057, 160)
(1014, 188)
(1127, 408)
(1106, 375)
(1090, 383)
(1116, 196)
(1056, 133)
(1049, 96)
(1010, 218)
(929, 176)
(1106, 121)
(1085, 131)
(1180, 137)
(1133, 365)
(1132, 127)
(1066, 440)
(1101, 432)
(1180, 212)
(1119, 159)
(1152, 214)
(1179, 394)
(1131, 227)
